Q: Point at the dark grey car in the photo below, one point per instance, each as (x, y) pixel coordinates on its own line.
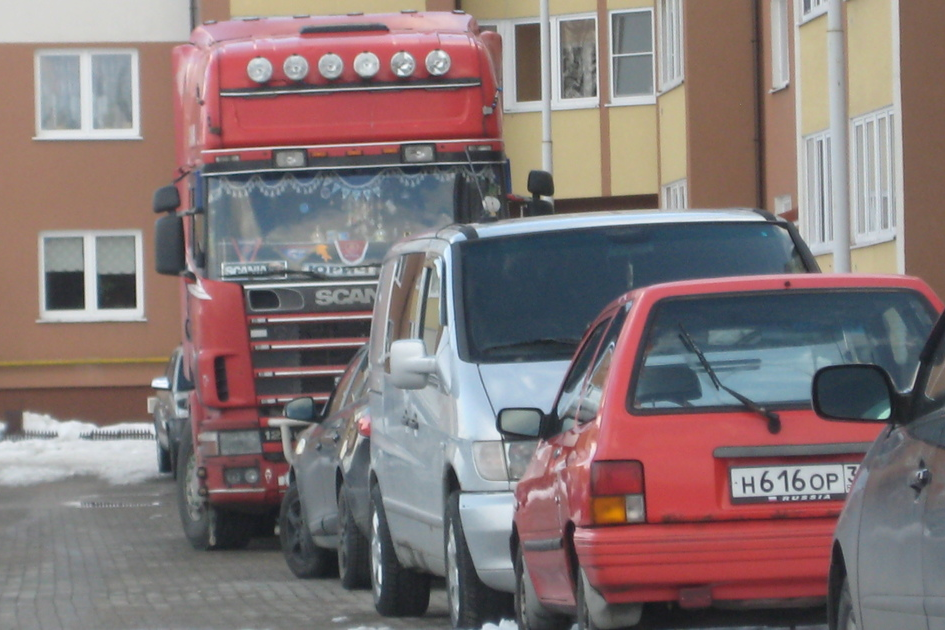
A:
(170, 407)
(327, 505)
(888, 563)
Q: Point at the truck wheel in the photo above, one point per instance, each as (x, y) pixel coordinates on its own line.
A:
(354, 551)
(530, 614)
(206, 527)
(398, 592)
(471, 603)
(304, 557)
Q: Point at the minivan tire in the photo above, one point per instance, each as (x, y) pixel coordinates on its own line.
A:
(354, 549)
(398, 592)
(471, 603)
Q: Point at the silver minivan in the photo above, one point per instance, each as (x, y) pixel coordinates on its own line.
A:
(471, 319)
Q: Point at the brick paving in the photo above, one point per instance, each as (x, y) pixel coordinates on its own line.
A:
(84, 555)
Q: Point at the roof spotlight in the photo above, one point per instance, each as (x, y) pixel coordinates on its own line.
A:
(438, 62)
(259, 69)
(366, 64)
(295, 67)
(402, 64)
(330, 66)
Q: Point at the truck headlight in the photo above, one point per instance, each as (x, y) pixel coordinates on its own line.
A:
(240, 442)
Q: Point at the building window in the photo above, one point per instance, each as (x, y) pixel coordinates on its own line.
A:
(818, 190)
(573, 62)
(676, 195)
(670, 43)
(873, 177)
(780, 60)
(812, 8)
(87, 94)
(91, 276)
(631, 56)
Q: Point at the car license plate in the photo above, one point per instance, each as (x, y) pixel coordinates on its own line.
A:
(786, 484)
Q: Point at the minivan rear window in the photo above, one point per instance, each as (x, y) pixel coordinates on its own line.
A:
(529, 297)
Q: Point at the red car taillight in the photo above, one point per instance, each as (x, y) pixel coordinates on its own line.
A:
(617, 493)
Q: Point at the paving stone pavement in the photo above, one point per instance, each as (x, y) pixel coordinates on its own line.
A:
(81, 554)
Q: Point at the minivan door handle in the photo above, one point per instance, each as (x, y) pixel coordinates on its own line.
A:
(920, 478)
(411, 422)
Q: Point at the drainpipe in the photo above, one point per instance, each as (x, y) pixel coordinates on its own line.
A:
(545, 25)
(839, 165)
(758, 59)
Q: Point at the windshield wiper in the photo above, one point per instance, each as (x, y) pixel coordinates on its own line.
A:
(774, 421)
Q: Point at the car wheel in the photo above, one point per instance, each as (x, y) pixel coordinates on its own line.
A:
(354, 551)
(530, 614)
(471, 603)
(304, 557)
(584, 621)
(398, 592)
(206, 527)
(846, 617)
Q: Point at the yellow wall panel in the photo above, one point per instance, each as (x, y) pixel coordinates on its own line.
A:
(672, 135)
(869, 55)
(873, 259)
(633, 151)
(815, 113)
(523, 146)
(577, 165)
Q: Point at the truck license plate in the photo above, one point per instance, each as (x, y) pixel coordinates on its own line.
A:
(785, 484)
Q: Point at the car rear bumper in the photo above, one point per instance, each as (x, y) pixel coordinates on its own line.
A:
(703, 564)
(487, 525)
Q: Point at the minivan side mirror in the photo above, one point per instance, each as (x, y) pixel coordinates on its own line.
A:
(160, 382)
(410, 365)
(860, 392)
(522, 423)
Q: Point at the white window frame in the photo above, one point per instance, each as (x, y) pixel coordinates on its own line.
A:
(817, 195)
(91, 312)
(670, 39)
(675, 195)
(780, 57)
(506, 28)
(642, 99)
(86, 130)
(810, 9)
(873, 177)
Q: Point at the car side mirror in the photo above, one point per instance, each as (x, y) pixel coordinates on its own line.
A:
(860, 392)
(161, 382)
(410, 365)
(523, 423)
(302, 409)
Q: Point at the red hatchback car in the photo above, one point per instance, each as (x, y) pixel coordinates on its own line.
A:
(682, 462)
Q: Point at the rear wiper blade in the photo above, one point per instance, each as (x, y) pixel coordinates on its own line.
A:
(774, 421)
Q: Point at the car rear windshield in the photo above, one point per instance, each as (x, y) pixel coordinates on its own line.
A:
(767, 346)
(529, 297)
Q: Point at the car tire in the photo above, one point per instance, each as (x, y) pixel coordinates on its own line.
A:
(398, 592)
(530, 614)
(305, 559)
(354, 549)
(207, 528)
(846, 617)
(584, 621)
(471, 603)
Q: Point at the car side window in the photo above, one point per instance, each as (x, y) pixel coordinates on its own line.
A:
(570, 397)
(594, 389)
(933, 390)
(402, 310)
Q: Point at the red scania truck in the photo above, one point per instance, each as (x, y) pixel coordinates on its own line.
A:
(305, 147)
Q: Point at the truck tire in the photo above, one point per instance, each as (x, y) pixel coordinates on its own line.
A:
(398, 592)
(471, 603)
(206, 527)
(354, 550)
(305, 559)
(530, 614)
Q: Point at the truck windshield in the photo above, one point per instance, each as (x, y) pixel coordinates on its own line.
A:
(767, 346)
(336, 223)
(529, 297)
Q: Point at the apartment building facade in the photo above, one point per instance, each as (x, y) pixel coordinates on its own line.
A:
(654, 103)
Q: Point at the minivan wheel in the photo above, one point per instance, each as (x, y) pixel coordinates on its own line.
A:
(471, 603)
(304, 558)
(846, 618)
(530, 614)
(354, 551)
(398, 592)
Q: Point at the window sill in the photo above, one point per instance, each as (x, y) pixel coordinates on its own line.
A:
(90, 319)
(86, 138)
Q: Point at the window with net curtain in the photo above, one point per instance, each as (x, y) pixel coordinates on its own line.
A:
(111, 260)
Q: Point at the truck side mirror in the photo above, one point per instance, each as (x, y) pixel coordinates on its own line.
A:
(166, 199)
(540, 184)
(169, 255)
